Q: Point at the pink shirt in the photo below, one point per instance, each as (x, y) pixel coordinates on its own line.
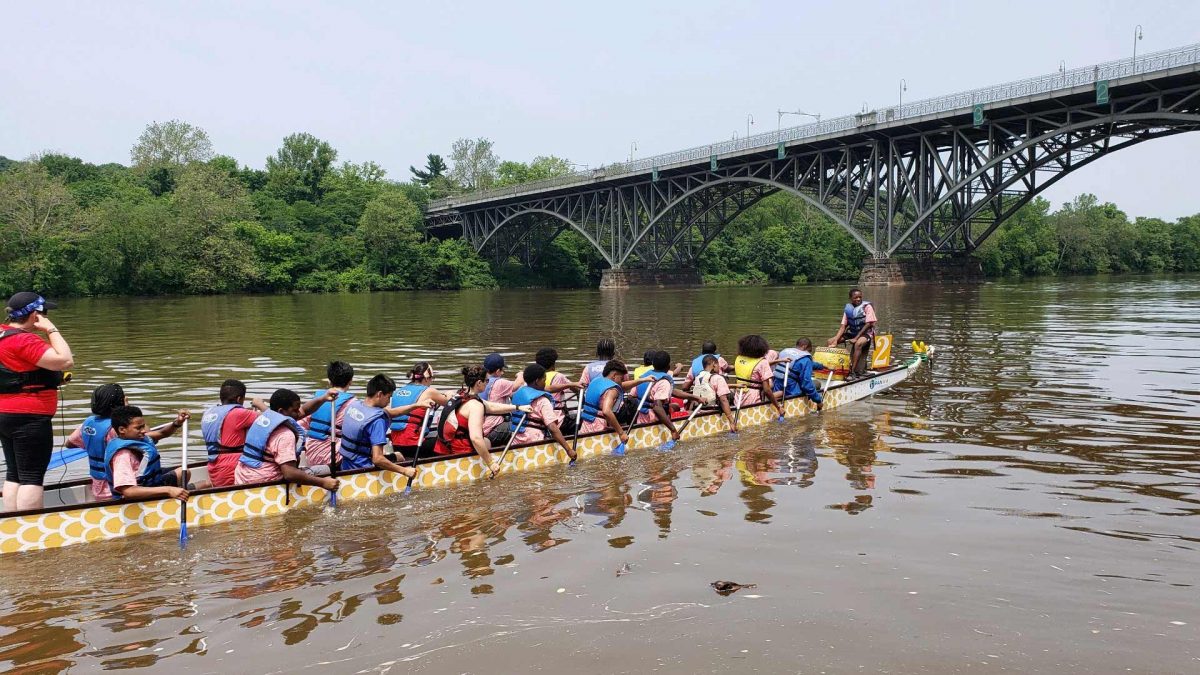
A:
(316, 450)
(99, 487)
(659, 391)
(282, 446)
(559, 379)
(719, 385)
(544, 412)
(125, 465)
(761, 373)
(501, 392)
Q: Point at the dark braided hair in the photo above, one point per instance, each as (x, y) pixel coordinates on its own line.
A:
(106, 398)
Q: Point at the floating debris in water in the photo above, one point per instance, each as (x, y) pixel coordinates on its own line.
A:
(626, 568)
(729, 587)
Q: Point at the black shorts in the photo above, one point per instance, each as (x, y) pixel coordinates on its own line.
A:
(28, 441)
(166, 478)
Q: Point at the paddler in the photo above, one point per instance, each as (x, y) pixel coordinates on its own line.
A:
(460, 426)
(603, 398)
(753, 371)
(796, 366)
(320, 423)
(95, 432)
(273, 445)
(544, 417)
(661, 388)
(709, 347)
(711, 388)
(497, 390)
(606, 350)
(224, 430)
(857, 328)
(556, 382)
(365, 430)
(419, 391)
(134, 449)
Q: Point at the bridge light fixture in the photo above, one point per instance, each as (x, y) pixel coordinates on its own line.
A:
(780, 113)
(903, 88)
(1137, 35)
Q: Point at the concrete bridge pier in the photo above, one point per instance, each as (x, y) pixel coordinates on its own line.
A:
(619, 277)
(896, 271)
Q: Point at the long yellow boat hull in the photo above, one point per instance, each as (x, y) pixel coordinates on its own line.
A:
(87, 522)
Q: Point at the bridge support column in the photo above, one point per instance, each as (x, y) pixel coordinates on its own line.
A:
(615, 278)
(893, 271)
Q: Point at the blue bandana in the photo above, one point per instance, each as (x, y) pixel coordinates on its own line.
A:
(38, 305)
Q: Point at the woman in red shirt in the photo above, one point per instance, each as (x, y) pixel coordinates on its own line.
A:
(30, 372)
(462, 432)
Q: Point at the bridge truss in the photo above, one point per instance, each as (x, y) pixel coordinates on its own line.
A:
(938, 186)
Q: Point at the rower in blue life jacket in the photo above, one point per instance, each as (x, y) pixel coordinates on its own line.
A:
(365, 430)
(858, 329)
(274, 444)
(797, 364)
(543, 418)
(95, 432)
(656, 395)
(131, 463)
(604, 399)
(327, 419)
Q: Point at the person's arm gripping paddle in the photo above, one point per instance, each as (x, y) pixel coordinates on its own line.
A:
(425, 421)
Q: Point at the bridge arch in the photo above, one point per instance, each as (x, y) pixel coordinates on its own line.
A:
(776, 186)
(570, 223)
(1172, 123)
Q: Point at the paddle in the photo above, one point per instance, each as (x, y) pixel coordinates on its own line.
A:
(672, 442)
(827, 381)
(620, 449)
(333, 454)
(65, 456)
(737, 408)
(500, 464)
(420, 440)
(183, 535)
(786, 371)
(575, 436)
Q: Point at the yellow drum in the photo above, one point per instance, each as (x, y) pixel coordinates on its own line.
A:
(835, 358)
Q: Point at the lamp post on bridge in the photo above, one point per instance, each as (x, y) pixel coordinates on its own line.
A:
(749, 123)
(780, 113)
(1137, 35)
(632, 149)
(903, 88)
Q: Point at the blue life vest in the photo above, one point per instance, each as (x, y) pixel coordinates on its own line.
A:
(147, 453)
(487, 388)
(856, 318)
(94, 430)
(406, 395)
(526, 395)
(698, 363)
(356, 440)
(210, 428)
(594, 394)
(594, 370)
(793, 383)
(254, 453)
(321, 421)
(647, 406)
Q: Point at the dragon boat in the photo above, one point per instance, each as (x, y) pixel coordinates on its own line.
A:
(71, 517)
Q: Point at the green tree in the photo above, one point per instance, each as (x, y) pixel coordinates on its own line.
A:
(296, 170)
(38, 216)
(171, 144)
(389, 230)
(475, 163)
(435, 167)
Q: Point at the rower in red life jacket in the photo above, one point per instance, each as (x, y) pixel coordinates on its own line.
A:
(274, 444)
(405, 428)
(131, 461)
(496, 428)
(224, 430)
(532, 427)
(329, 416)
(857, 328)
(460, 426)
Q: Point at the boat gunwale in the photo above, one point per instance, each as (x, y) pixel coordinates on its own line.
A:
(426, 460)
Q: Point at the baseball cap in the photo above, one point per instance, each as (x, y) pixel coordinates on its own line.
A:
(25, 303)
(493, 362)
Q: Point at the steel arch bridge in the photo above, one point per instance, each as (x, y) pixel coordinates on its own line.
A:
(928, 178)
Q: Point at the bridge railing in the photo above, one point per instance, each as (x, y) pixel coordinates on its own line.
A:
(1043, 84)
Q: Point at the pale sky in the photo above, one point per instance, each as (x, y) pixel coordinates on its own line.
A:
(388, 82)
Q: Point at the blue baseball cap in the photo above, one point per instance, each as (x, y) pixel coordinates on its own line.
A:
(493, 362)
(25, 303)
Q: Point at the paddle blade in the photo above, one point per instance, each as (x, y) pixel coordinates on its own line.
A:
(183, 535)
(65, 456)
(619, 450)
(333, 499)
(780, 418)
(667, 446)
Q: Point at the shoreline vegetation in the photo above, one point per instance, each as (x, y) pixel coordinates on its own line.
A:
(183, 220)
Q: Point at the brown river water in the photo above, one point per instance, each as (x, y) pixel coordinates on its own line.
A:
(1029, 504)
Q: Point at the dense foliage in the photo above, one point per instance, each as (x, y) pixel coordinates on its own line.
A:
(182, 219)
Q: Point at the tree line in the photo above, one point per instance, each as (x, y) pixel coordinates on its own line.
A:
(182, 219)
